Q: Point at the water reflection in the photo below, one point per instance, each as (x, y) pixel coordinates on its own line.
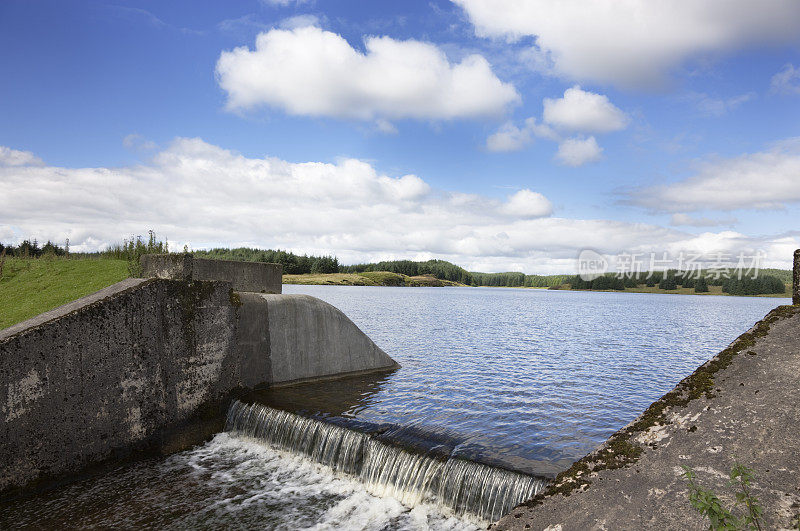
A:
(345, 397)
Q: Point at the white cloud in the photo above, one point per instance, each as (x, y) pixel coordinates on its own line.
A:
(765, 180)
(633, 43)
(14, 157)
(299, 21)
(311, 72)
(680, 219)
(578, 111)
(585, 112)
(526, 204)
(203, 195)
(578, 151)
(787, 81)
(711, 106)
(509, 137)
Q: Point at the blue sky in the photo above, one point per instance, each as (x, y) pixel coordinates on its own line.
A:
(398, 129)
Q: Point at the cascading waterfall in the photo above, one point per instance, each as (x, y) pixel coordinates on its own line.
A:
(464, 487)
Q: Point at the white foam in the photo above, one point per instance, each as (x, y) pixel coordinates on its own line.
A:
(298, 493)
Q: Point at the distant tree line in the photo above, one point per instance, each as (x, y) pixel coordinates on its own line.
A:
(671, 279)
(31, 249)
(754, 286)
(518, 280)
(440, 269)
(293, 264)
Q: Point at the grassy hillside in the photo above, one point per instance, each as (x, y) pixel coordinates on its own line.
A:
(29, 286)
(368, 278)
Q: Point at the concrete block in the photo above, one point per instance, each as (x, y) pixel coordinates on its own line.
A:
(257, 277)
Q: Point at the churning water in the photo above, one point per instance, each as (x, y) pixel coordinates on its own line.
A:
(526, 380)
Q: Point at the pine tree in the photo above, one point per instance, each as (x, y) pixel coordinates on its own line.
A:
(701, 285)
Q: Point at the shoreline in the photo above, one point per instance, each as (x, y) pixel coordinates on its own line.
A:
(387, 279)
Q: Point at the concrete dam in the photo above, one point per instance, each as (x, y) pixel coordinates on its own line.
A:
(203, 349)
(152, 366)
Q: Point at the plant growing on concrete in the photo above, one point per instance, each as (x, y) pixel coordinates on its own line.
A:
(720, 517)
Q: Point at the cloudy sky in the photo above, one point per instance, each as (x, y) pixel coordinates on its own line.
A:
(498, 134)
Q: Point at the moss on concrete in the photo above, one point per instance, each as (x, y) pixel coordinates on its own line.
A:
(621, 450)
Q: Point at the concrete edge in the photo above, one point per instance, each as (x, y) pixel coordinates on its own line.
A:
(617, 451)
(72, 307)
(327, 378)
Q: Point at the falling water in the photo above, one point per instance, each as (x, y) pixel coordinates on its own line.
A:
(464, 487)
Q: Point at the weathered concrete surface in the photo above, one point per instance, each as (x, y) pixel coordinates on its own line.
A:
(753, 418)
(253, 340)
(149, 366)
(132, 368)
(310, 339)
(255, 277)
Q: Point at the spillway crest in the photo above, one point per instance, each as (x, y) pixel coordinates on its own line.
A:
(461, 486)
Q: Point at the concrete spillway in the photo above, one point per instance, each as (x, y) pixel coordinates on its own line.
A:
(459, 486)
(150, 365)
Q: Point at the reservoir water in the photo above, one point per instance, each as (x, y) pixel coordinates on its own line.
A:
(523, 380)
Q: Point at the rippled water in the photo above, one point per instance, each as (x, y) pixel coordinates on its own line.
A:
(527, 379)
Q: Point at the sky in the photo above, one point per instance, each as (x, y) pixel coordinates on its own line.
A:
(502, 135)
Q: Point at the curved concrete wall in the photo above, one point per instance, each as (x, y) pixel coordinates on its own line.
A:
(310, 339)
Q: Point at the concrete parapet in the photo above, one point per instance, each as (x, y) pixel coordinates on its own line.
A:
(255, 277)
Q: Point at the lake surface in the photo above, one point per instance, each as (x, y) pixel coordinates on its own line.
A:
(532, 379)
(526, 379)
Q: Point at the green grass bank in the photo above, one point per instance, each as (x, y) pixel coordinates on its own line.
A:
(30, 286)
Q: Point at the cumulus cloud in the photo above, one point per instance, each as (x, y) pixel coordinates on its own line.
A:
(509, 137)
(578, 111)
(526, 204)
(311, 72)
(633, 43)
(578, 151)
(787, 81)
(585, 112)
(197, 193)
(14, 157)
(768, 179)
